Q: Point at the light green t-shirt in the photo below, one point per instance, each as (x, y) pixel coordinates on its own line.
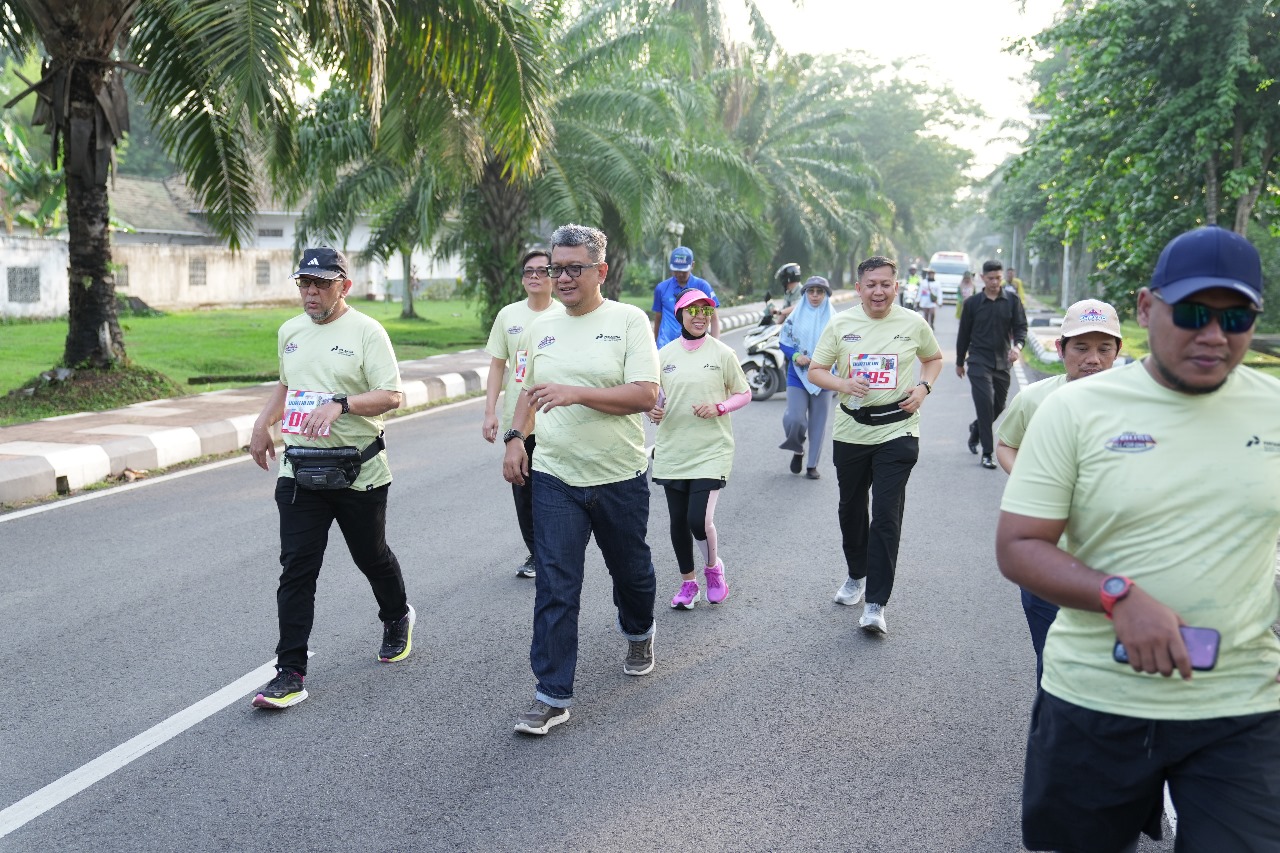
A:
(349, 355)
(1181, 493)
(610, 346)
(890, 348)
(1018, 416)
(688, 447)
(509, 341)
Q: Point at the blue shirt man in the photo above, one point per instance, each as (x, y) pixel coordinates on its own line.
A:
(665, 326)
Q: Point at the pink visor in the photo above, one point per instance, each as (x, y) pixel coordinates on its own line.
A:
(692, 297)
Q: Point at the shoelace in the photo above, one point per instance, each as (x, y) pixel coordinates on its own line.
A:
(688, 589)
(638, 649)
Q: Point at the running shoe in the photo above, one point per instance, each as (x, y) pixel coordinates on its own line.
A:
(987, 463)
(540, 718)
(282, 691)
(397, 638)
(797, 461)
(872, 619)
(639, 657)
(689, 594)
(717, 588)
(527, 569)
(813, 474)
(851, 592)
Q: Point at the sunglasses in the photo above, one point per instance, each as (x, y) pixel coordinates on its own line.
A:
(572, 270)
(317, 283)
(700, 310)
(1194, 316)
(534, 272)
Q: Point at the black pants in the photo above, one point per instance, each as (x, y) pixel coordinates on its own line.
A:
(990, 387)
(1094, 781)
(687, 507)
(304, 532)
(523, 496)
(871, 545)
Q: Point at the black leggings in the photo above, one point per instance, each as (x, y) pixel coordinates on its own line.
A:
(692, 519)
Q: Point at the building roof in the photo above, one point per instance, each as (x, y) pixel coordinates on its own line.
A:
(154, 205)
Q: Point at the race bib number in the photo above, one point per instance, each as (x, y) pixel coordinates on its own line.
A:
(299, 404)
(522, 364)
(879, 369)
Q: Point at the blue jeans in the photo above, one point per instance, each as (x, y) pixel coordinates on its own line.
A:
(567, 516)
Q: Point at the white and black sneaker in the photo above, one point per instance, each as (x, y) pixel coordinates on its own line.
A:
(540, 718)
(851, 592)
(527, 569)
(639, 657)
(872, 620)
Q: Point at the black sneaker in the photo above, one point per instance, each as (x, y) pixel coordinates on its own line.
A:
(797, 460)
(987, 463)
(540, 718)
(282, 691)
(639, 657)
(527, 569)
(397, 638)
(973, 438)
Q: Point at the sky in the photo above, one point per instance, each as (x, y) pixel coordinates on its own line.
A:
(959, 43)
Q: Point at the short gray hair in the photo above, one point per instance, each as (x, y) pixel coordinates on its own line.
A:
(582, 235)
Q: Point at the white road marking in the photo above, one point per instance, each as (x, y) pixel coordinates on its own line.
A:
(1170, 814)
(61, 790)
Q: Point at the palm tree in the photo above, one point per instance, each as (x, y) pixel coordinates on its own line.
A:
(221, 87)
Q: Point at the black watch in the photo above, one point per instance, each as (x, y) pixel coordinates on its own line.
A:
(341, 400)
(512, 433)
(928, 389)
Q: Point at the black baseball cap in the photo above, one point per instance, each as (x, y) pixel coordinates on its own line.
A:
(322, 262)
(1205, 258)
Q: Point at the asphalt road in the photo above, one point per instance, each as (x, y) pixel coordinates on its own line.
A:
(770, 723)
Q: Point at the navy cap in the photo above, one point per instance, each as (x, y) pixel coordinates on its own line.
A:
(322, 262)
(1205, 258)
(681, 259)
(819, 282)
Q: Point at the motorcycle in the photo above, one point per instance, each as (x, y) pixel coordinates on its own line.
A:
(765, 366)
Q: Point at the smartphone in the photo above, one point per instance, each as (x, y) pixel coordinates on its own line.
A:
(1201, 643)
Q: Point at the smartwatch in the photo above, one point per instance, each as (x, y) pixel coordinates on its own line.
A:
(341, 400)
(512, 433)
(1114, 588)
(928, 389)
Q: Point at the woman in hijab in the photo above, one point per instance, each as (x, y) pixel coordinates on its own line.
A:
(808, 406)
(964, 292)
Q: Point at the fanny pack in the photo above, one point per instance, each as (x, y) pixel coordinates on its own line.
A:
(322, 468)
(889, 413)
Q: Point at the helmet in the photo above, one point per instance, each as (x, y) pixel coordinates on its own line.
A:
(787, 273)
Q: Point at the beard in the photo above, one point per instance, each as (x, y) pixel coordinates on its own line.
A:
(1178, 384)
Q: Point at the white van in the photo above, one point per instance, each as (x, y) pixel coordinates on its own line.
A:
(949, 268)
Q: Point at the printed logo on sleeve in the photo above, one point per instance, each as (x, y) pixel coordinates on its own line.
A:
(546, 342)
(1131, 442)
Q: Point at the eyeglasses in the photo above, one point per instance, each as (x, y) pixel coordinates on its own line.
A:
(1194, 316)
(317, 283)
(572, 270)
(700, 310)
(534, 272)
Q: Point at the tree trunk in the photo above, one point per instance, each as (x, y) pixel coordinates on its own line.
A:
(1211, 200)
(497, 239)
(406, 257)
(94, 338)
(1245, 204)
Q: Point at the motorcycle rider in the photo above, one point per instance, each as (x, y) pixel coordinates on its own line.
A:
(788, 277)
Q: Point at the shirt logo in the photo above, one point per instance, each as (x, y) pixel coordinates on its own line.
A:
(603, 337)
(341, 351)
(711, 367)
(851, 338)
(1131, 442)
(546, 342)
(1266, 446)
(290, 347)
(668, 368)
(902, 337)
(514, 330)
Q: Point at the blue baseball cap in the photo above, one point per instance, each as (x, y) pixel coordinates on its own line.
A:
(1205, 258)
(681, 259)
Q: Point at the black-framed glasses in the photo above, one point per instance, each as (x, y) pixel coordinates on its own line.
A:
(1194, 316)
(317, 283)
(533, 272)
(572, 270)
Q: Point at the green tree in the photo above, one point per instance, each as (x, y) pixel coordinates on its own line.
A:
(221, 88)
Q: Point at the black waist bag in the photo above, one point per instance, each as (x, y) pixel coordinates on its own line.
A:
(319, 468)
(889, 413)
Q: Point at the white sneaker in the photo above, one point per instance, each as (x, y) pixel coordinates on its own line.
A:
(873, 619)
(851, 592)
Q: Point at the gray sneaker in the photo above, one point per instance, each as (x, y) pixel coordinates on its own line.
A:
(527, 569)
(639, 657)
(851, 592)
(873, 619)
(540, 718)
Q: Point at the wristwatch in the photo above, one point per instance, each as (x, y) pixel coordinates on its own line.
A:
(1114, 588)
(341, 400)
(928, 389)
(513, 433)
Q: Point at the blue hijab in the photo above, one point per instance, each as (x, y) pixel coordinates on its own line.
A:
(802, 329)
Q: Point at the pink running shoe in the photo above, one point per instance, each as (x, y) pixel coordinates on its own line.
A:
(687, 596)
(717, 589)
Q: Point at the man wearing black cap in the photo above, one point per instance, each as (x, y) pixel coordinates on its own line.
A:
(338, 376)
(1164, 478)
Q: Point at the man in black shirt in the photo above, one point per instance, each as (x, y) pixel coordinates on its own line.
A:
(993, 328)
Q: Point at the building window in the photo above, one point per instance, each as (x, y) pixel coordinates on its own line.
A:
(24, 284)
(262, 273)
(122, 276)
(195, 272)
(270, 232)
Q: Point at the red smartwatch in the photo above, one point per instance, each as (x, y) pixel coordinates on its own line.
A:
(1114, 588)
